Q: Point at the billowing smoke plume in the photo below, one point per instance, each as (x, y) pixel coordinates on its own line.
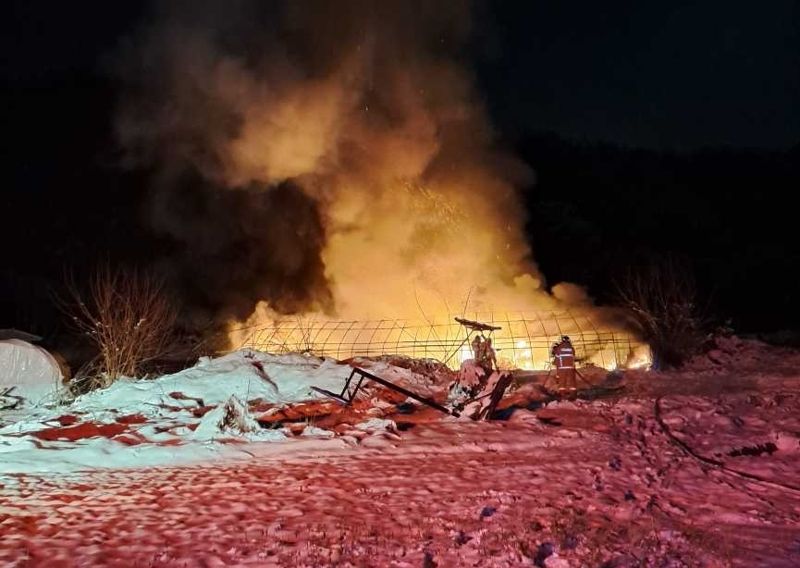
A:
(326, 156)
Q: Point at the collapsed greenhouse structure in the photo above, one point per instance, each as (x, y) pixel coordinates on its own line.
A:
(523, 341)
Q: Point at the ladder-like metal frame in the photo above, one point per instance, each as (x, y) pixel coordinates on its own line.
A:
(348, 395)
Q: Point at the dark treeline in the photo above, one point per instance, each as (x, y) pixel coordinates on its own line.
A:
(598, 210)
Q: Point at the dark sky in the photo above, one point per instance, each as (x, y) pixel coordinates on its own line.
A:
(672, 74)
(667, 74)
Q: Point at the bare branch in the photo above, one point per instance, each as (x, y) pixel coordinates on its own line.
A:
(662, 300)
(126, 314)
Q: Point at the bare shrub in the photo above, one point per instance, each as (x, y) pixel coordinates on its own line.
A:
(662, 300)
(127, 315)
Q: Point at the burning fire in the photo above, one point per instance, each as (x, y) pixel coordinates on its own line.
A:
(521, 340)
(367, 110)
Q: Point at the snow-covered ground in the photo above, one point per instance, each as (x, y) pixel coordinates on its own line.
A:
(698, 468)
(173, 419)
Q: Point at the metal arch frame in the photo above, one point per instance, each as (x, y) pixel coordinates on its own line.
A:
(442, 340)
(347, 396)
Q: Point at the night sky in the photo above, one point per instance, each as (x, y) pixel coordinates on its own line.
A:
(653, 74)
(653, 127)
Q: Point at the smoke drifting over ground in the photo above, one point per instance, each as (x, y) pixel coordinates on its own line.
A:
(327, 157)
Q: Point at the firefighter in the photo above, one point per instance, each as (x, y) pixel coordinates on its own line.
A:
(477, 348)
(489, 361)
(564, 362)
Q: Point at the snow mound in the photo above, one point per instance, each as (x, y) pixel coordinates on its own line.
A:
(732, 353)
(184, 417)
(245, 374)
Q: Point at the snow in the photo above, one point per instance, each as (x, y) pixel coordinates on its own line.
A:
(169, 432)
(232, 418)
(181, 418)
(244, 374)
(745, 355)
(377, 425)
(494, 498)
(676, 469)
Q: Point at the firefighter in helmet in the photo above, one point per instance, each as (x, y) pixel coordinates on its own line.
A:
(564, 361)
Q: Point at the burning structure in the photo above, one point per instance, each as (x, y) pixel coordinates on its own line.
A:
(524, 340)
(329, 178)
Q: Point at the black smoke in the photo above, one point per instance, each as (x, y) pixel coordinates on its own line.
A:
(228, 249)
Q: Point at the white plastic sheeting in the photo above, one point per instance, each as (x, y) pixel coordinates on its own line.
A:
(30, 369)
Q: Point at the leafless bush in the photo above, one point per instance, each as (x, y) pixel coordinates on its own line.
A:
(128, 317)
(663, 302)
